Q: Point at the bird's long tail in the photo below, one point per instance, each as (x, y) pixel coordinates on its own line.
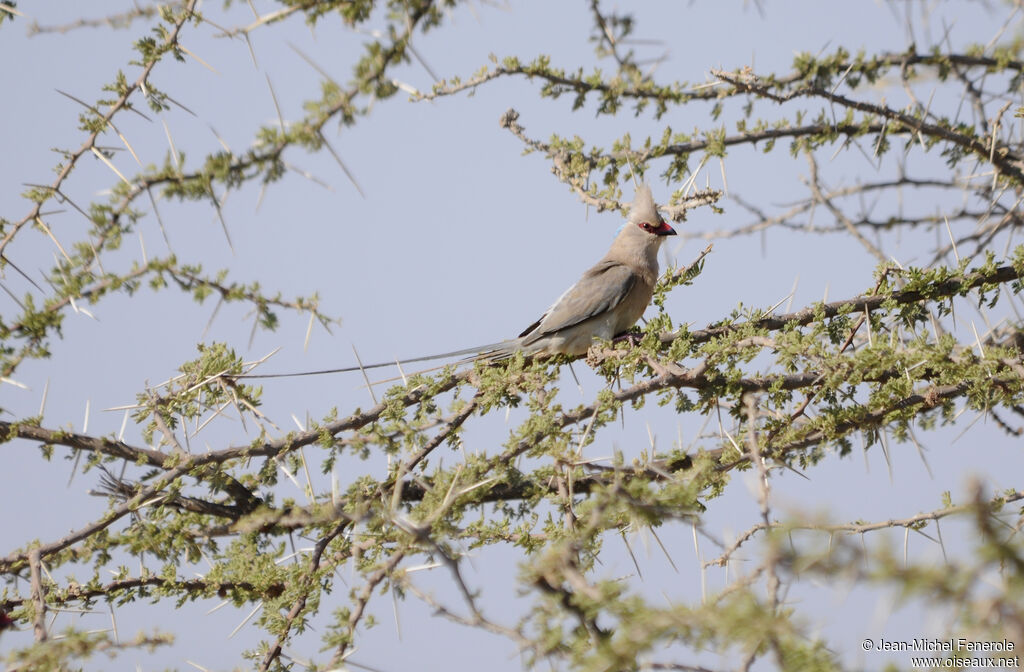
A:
(490, 352)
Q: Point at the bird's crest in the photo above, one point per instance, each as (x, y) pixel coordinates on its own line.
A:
(643, 208)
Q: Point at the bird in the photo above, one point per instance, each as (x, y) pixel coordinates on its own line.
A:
(609, 298)
(603, 304)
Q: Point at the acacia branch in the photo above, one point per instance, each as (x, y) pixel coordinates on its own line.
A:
(939, 290)
(913, 522)
(682, 93)
(1000, 155)
(71, 161)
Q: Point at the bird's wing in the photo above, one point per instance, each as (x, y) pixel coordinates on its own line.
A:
(600, 290)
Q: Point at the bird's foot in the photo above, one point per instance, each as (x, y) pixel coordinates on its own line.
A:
(630, 337)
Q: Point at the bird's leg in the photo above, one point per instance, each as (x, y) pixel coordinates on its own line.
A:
(631, 337)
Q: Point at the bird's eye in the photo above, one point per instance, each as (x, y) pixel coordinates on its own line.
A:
(646, 226)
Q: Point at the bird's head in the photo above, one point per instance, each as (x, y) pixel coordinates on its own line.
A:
(643, 214)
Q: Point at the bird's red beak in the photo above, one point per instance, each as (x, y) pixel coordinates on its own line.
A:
(664, 229)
